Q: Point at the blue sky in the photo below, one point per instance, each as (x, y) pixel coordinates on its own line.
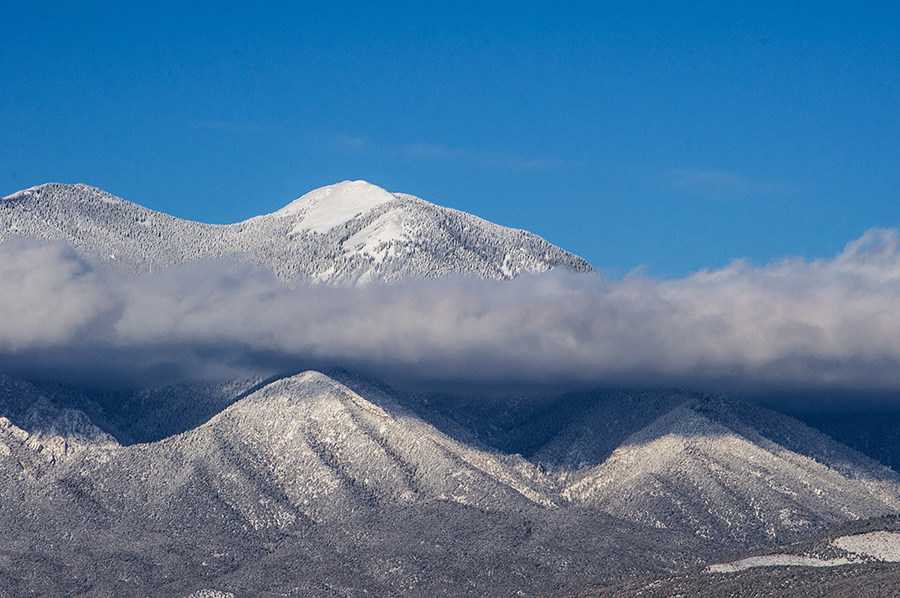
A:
(670, 135)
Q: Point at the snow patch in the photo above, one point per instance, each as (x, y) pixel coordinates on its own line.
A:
(883, 546)
(321, 210)
(879, 546)
(208, 593)
(324, 276)
(376, 239)
(775, 560)
(504, 268)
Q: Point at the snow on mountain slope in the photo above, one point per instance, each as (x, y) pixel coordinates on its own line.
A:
(726, 469)
(322, 452)
(354, 492)
(37, 433)
(720, 468)
(880, 546)
(321, 210)
(310, 447)
(336, 468)
(732, 473)
(351, 232)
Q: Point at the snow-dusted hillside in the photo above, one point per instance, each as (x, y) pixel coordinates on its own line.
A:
(717, 467)
(343, 475)
(351, 232)
(302, 487)
(731, 471)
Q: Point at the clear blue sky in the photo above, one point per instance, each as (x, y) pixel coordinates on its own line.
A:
(673, 135)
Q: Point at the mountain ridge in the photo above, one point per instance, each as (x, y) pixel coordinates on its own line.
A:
(374, 498)
(293, 460)
(349, 233)
(363, 489)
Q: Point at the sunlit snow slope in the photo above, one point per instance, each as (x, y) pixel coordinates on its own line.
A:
(351, 232)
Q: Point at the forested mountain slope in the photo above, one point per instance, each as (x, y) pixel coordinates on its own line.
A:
(351, 232)
(348, 482)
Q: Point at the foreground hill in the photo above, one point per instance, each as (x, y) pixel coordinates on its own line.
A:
(351, 232)
(861, 558)
(328, 485)
(303, 486)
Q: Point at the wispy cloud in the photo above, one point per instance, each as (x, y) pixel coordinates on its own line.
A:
(791, 325)
(351, 143)
(722, 184)
(456, 155)
(481, 158)
(230, 127)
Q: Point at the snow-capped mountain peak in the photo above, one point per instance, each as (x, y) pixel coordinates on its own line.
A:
(349, 233)
(322, 209)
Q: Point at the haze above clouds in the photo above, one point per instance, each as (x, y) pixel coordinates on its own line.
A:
(830, 324)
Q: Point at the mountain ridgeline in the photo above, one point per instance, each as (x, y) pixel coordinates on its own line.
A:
(349, 233)
(327, 484)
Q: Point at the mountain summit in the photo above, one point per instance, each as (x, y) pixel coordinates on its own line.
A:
(349, 233)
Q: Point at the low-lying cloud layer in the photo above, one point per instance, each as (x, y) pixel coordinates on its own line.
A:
(792, 325)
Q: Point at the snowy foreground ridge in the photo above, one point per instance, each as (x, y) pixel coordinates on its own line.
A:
(880, 546)
(349, 233)
(356, 488)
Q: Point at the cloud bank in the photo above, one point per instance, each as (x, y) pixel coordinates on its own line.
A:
(792, 325)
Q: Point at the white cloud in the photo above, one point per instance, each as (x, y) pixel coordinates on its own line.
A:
(794, 324)
(47, 295)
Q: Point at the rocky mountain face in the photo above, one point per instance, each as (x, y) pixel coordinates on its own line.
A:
(349, 233)
(344, 479)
